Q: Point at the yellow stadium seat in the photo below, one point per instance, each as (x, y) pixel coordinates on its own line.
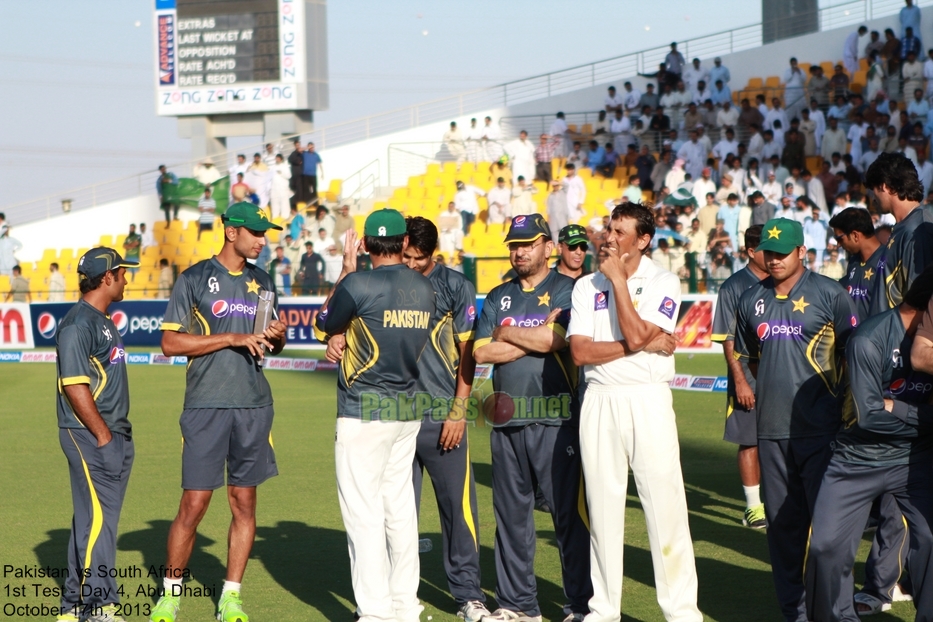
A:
(158, 226)
(434, 168)
(416, 192)
(827, 67)
(467, 168)
(754, 83)
(106, 240)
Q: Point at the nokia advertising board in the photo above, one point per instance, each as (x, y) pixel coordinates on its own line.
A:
(236, 56)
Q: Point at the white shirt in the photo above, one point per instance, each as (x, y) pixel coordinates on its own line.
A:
(850, 49)
(772, 192)
(576, 194)
(620, 126)
(147, 239)
(465, 199)
(724, 147)
(630, 99)
(612, 102)
(558, 128)
(655, 292)
(727, 119)
(793, 79)
(776, 114)
(925, 173)
(701, 188)
(755, 145)
(692, 75)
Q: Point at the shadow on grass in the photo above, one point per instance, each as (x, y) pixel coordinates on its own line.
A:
(205, 568)
(53, 552)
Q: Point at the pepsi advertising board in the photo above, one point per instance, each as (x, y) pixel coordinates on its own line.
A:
(138, 321)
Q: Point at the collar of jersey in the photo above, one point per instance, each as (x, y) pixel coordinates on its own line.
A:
(536, 287)
(224, 268)
(794, 288)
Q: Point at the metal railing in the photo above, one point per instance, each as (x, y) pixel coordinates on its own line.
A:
(444, 109)
(361, 184)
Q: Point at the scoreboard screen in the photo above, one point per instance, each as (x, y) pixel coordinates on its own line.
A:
(227, 56)
(227, 42)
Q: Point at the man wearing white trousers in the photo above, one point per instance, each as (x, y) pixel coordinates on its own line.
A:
(620, 326)
(384, 314)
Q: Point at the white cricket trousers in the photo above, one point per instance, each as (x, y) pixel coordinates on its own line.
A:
(374, 461)
(634, 425)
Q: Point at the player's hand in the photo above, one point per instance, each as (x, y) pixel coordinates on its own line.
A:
(889, 405)
(275, 330)
(452, 433)
(744, 394)
(253, 343)
(335, 348)
(552, 316)
(662, 344)
(610, 264)
(351, 248)
(101, 440)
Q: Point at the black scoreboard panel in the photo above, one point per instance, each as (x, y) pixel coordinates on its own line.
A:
(222, 42)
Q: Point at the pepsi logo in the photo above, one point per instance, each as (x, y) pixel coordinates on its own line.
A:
(47, 325)
(117, 355)
(897, 387)
(220, 308)
(601, 297)
(121, 321)
(668, 303)
(764, 329)
(471, 313)
(519, 221)
(508, 321)
(853, 321)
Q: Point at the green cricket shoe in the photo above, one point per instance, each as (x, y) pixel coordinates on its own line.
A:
(230, 608)
(166, 610)
(755, 517)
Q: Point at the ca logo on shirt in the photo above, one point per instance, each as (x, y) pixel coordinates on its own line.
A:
(759, 307)
(506, 303)
(213, 285)
(107, 333)
(897, 359)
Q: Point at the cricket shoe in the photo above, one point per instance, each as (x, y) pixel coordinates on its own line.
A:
(69, 615)
(230, 608)
(755, 517)
(107, 613)
(166, 610)
(575, 617)
(473, 611)
(507, 615)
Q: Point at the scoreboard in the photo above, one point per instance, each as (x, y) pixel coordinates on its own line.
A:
(232, 56)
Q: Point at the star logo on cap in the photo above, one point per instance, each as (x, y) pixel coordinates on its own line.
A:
(800, 304)
(868, 274)
(261, 214)
(774, 233)
(252, 287)
(545, 299)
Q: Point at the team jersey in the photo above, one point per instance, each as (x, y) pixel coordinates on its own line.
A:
(864, 281)
(910, 250)
(534, 377)
(451, 325)
(730, 292)
(208, 299)
(90, 351)
(385, 314)
(655, 295)
(798, 342)
(878, 355)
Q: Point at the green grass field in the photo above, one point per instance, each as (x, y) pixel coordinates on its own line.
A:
(300, 568)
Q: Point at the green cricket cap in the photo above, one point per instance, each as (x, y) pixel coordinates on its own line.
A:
(248, 215)
(781, 235)
(528, 228)
(99, 260)
(573, 234)
(385, 223)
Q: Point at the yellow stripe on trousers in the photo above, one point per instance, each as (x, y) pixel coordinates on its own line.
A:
(467, 507)
(97, 514)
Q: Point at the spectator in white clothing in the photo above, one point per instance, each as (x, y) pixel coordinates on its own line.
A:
(612, 103)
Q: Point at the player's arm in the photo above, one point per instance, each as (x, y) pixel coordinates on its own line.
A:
(745, 345)
(351, 248)
(865, 382)
(724, 332)
(549, 337)
(455, 426)
(74, 345)
(638, 332)
(921, 352)
(485, 349)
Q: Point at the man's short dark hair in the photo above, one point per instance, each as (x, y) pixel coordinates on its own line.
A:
(853, 219)
(16, 268)
(641, 214)
(89, 285)
(422, 234)
(898, 174)
(384, 246)
(163, 262)
(753, 236)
